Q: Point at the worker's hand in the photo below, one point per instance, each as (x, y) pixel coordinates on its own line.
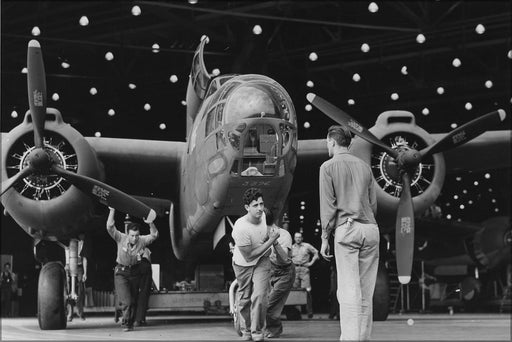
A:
(273, 235)
(84, 277)
(111, 209)
(325, 250)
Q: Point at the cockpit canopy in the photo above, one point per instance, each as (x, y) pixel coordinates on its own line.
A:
(245, 97)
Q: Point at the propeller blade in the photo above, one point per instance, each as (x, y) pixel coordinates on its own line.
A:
(344, 119)
(7, 184)
(36, 81)
(465, 133)
(108, 195)
(404, 234)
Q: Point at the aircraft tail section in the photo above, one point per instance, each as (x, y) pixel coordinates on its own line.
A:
(197, 82)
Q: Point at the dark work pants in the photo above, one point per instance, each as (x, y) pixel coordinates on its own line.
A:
(145, 281)
(281, 282)
(126, 281)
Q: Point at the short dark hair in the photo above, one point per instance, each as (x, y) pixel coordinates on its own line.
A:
(252, 194)
(133, 226)
(340, 134)
(7, 264)
(269, 216)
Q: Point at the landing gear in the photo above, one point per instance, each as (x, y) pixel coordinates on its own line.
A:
(381, 295)
(51, 293)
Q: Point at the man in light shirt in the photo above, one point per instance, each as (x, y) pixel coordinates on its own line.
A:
(252, 265)
(304, 256)
(281, 279)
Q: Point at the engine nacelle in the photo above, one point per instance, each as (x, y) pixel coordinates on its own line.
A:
(47, 206)
(399, 128)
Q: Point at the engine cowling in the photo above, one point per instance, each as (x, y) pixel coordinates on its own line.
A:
(399, 129)
(47, 206)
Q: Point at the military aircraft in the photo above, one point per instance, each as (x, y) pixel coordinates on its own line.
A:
(241, 133)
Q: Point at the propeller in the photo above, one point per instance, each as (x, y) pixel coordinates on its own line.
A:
(40, 161)
(36, 81)
(407, 160)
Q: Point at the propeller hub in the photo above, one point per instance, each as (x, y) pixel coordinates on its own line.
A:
(40, 159)
(408, 158)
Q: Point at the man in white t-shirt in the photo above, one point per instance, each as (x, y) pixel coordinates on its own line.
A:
(252, 265)
(281, 279)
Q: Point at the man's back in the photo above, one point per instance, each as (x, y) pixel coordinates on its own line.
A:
(348, 189)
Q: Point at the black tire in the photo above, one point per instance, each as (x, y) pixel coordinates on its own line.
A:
(51, 304)
(381, 295)
(292, 313)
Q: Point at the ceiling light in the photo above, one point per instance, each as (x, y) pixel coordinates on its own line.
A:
(475, 183)
(356, 77)
(162, 126)
(93, 91)
(455, 197)
(156, 48)
(470, 202)
(351, 102)
(111, 112)
(365, 47)
(136, 10)
(192, 2)
(449, 217)
(36, 31)
(468, 106)
(487, 175)
(373, 7)
(65, 65)
(84, 21)
(493, 200)
(132, 86)
(464, 191)
(307, 125)
(147, 107)
(14, 114)
(313, 56)
(97, 134)
(173, 78)
(404, 70)
(215, 72)
(462, 206)
(453, 125)
(456, 62)
(310, 84)
(55, 97)
(458, 178)
(509, 54)
(420, 38)
(24, 70)
(394, 96)
(308, 107)
(480, 29)
(302, 203)
(496, 209)
(488, 84)
(257, 29)
(109, 56)
(183, 102)
(440, 90)
(425, 111)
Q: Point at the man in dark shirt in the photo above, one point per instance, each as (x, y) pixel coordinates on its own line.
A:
(130, 248)
(348, 203)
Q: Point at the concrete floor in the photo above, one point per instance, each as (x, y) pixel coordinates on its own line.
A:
(462, 327)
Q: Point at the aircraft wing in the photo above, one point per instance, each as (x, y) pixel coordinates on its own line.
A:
(491, 150)
(147, 168)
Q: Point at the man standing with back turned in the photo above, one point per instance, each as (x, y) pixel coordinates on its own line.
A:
(348, 204)
(252, 265)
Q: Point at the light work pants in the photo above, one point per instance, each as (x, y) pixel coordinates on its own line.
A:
(356, 250)
(252, 296)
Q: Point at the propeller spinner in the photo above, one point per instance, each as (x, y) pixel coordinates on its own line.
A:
(40, 160)
(407, 160)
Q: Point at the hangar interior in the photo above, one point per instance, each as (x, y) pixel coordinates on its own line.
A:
(120, 70)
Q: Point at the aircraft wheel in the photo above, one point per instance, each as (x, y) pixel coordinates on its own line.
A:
(381, 295)
(51, 291)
